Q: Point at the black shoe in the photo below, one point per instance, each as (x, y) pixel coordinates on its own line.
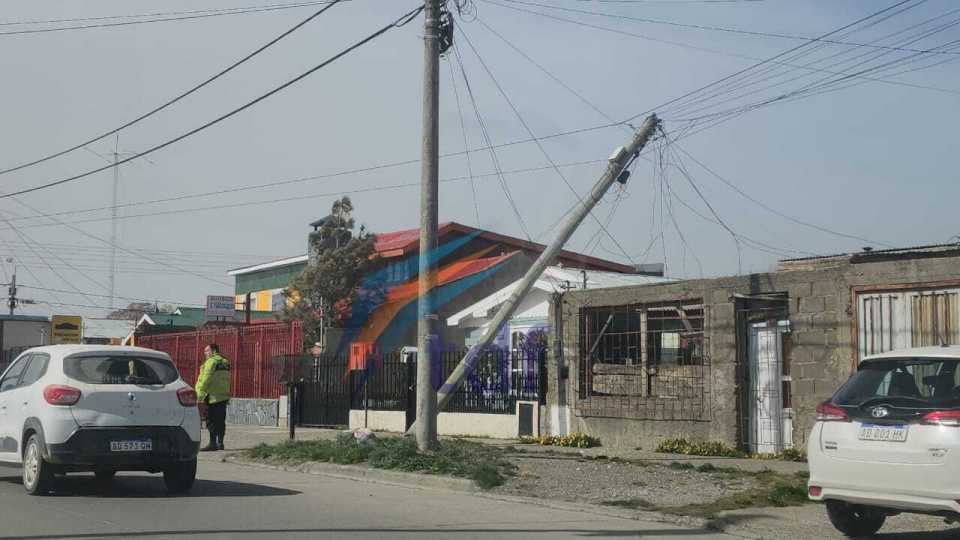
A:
(210, 448)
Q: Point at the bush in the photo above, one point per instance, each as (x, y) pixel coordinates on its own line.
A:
(709, 449)
(573, 440)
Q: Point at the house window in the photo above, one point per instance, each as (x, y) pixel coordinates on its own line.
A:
(907, 318)
(611, 335)
(674, 334)
(935, 318)
(643, 361)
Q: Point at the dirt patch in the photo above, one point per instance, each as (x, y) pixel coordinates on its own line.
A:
(620, 483)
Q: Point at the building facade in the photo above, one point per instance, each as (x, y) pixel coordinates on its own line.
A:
(746, 359)
(471, 264)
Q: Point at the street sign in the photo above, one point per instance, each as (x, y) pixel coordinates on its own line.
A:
(221, 306)
(65, 329)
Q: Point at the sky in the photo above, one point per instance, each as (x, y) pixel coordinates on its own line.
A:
(875, 161)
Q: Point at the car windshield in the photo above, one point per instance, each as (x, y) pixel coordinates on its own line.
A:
(912, 382)
(120, 369)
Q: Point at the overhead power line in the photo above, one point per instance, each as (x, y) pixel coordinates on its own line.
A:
(538, 143)
(174, 16)
(179, 97)
(294, 198)
(406, 18)
(716, 51)
(130, 298)
(719, 28)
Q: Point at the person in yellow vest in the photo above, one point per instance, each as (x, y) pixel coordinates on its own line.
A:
(213, 390)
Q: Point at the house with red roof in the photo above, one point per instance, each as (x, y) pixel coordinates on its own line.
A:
(471, 264)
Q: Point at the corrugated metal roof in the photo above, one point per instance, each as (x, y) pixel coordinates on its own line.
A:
(891, 251)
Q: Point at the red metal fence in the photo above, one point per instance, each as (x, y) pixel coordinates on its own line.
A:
(249, 348)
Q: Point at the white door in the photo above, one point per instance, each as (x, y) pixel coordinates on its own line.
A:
(765, 431)
(9, 433)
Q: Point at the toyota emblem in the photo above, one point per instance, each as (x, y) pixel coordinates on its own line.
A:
(879, 412)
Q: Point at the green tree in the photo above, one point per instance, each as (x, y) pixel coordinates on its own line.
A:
(327, 289)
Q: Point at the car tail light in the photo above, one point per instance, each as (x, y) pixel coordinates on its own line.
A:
(814, 491)
(187, 397)
(58, 394)
(828, 412)
(942, 418)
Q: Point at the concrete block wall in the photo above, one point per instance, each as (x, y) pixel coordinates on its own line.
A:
(253, 412)
(819, 354)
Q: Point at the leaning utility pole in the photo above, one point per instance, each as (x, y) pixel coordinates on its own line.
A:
(615, 172)
(430, 162)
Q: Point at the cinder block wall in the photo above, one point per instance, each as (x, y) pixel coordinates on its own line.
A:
(820, 353)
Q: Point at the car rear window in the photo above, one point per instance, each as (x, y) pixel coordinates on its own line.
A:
(911, 382)
(124, 369)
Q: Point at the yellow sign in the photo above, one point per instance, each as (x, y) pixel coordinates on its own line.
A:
(65, 329)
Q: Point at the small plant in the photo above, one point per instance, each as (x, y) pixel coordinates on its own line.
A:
(677, 466)
(573, 440)
(708, 449)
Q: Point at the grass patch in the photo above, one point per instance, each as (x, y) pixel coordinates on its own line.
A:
(768, 489)
(707, 449)
(632, 503)
(453, 457)
(771, 489)
(718, 449)
(573, 440)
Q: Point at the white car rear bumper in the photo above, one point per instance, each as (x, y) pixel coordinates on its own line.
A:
(895, 501)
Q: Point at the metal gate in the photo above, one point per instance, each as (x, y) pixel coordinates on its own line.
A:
(324, 392)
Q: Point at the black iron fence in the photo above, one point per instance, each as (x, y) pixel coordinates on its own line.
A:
(328, 387)
(500, 379)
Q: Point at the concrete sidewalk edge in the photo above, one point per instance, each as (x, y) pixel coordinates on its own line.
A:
(462, 485)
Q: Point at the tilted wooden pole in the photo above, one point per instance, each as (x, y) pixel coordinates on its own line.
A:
(618, 161)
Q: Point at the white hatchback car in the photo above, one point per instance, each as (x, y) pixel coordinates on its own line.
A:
(73, 408)
(888, 441)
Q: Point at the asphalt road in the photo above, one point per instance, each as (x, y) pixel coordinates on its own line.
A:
(235, 501)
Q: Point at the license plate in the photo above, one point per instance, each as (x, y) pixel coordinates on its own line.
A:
(131, 446)
(876, 432)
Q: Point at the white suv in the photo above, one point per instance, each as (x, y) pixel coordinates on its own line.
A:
(888, 441)
(71, 408)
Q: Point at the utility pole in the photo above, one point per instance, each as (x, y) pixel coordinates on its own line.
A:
(113, 224)
(615, 172)
(426, 318)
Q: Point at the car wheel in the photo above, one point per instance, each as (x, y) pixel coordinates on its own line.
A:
(37, 473)
(855, 520)
(179, 477)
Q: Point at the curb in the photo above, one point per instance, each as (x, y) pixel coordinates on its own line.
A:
(365, 474)
(462, 485)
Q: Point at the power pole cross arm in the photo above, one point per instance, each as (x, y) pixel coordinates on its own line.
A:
(618, 162)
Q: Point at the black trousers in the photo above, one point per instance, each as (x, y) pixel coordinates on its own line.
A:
(217, 422)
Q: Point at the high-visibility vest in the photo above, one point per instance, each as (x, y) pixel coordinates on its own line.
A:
(213, 384)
